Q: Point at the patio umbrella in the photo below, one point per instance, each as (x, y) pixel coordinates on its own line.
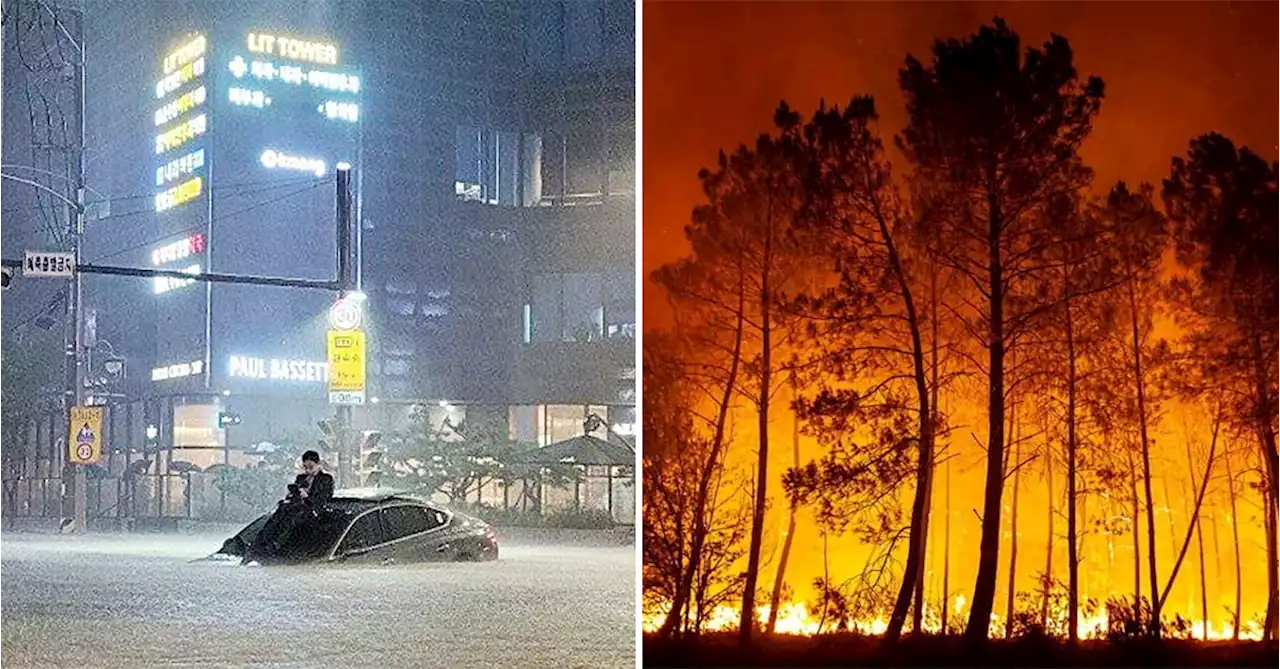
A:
(584, 451)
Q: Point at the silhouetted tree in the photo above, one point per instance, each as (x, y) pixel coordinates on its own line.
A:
(1084, 272)
(752, 200)
(691, 530)
(997, 130)
(1139, 237)
(714, 324)
(855, 220)
(1223, 202)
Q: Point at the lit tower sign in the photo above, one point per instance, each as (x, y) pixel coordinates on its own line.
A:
(248, 128)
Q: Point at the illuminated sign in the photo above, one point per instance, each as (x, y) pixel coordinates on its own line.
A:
(335, 82)
(184, 54)
(346, 314)
(277, 369)
(178, 371)
(346, 111)
(84, 435)
(275, 160)
(179, 250)
(165, 284)
(174, 80)
(182, 193)
(179, 167)
(294, 49)
(346, 360)
(181, 134)
(178, 107)
(248, 98)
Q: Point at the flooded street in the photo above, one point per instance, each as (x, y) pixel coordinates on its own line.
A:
(120, 601)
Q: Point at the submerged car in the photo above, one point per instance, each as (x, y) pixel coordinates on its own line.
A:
(372, 526)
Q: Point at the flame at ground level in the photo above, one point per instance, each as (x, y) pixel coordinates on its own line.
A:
(794, 619)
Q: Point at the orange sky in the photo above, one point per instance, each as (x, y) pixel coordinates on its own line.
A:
(713, 73)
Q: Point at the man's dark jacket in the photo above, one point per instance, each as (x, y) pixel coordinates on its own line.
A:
(320, 490)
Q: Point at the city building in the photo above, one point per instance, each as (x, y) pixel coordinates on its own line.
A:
(493, 145)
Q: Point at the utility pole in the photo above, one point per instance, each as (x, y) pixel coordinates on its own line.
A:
(348, 448)
(75, 336)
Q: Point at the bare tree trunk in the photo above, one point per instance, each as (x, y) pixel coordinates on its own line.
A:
(791, 522)
(913, 570)
(1137, 545)
(1195, 513)
(1217, 555)
(1200, 541)
(1073, 560)
(917, 621)
(1235, 542)
(826, 580)
(1204, 587)
(1268, 624)
(747, 623)
(1267, 444)
(1013, 524)
(1048, 557)
(1146, 463)
(1173, 530)
(984, 588)
(946, 557)
(700, 529)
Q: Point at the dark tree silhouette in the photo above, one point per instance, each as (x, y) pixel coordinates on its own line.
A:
(743, 229)
(714, 320)
(997, 130)
(690, 527)
(855, 220)
(1223, 202)
(1084, 273)
(1140, 235)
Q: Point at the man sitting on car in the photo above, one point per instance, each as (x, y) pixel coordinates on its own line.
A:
(308, 492)
(314, 486)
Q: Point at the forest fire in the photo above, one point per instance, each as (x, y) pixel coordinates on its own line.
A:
(795, 619)
(962, 384)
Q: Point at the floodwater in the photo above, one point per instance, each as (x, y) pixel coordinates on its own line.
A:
(139, 601)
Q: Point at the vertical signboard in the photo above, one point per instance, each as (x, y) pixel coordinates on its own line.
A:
(182, 119)
(84, 435)
(346, 366)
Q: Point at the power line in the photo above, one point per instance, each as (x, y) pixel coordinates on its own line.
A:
(265, 183)
(201, 226)
(28, 234)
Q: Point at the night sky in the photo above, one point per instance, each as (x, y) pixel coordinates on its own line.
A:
(713, 73)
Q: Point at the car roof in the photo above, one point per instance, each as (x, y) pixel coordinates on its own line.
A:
(368, 494)
(358, 499)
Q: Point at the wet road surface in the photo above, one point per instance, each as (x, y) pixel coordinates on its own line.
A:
(136, 601)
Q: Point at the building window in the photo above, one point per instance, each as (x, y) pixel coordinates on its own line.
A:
(564, 34)
(395, 367)
(581, 307)
(563, 421)
(469, 165)
(622, 162)
(583, 39)
(501, 168)
(523, 423)
(400, 306)
(623, 420)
